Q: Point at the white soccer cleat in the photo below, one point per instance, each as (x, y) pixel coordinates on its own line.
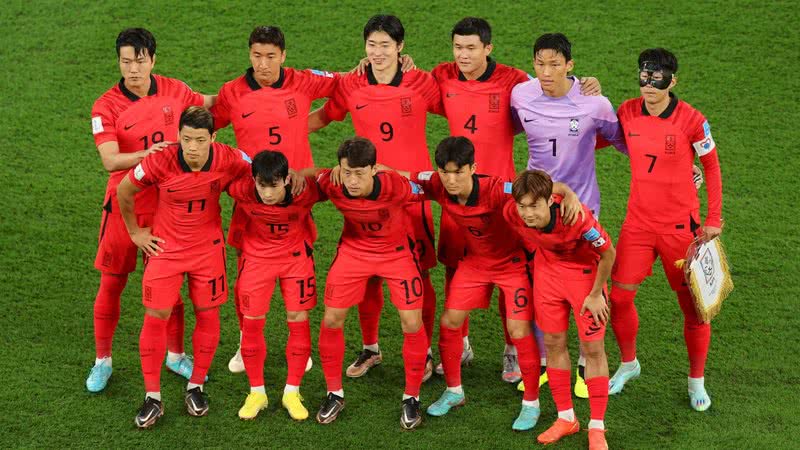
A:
(236, 364)
(309, 364)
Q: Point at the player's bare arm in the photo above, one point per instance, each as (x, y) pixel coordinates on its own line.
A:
(113, 160)
(317, 120)
(145, 241)
(209, 100)
(571, 207)
(595, 302)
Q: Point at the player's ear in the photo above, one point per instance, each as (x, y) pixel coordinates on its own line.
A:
(472, 168)
(489, 47)
(283, 56)
(400, 47)
(673, 82)
(550, 201)
(570, 65)
(154, 60)
(213, 136)
(373, 170)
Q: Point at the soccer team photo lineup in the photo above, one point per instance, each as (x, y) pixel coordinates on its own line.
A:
(532, 239)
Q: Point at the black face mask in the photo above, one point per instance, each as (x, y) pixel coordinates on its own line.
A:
(649, 68)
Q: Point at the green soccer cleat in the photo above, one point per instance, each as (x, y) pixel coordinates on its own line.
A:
(183, 366)
(98, 376)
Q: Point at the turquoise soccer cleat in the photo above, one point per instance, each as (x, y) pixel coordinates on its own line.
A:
(528, 416)
(98, 376)
(446, 402)
(617, 382)
(183, 366)
(699, 399)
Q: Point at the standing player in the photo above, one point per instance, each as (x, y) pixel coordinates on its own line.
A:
(186, 242)
(663, 135)
(375, 242)
(130, 121)
(475, 93)
(571, 270)
(268, 107)
(475, 203)
(561, 125)
(276, 247)
(389, 108)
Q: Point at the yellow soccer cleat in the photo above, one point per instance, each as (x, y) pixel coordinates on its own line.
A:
(293, 402)
(542, 381)
(581, 390)
(253, 404)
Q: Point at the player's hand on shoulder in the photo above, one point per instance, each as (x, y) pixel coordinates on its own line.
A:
(709, 233)
(572, 209)
(146, 242)
(361, 67)
(697, 176)
(297, 182)
(590, 86)
(336, 175)
(157, 147)
(597, 306)
(406, 63)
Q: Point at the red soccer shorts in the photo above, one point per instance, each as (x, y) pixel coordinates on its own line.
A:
(208, 283)
(555, 293)
(452, 245)
(422, 229)
(257, 277)
(471, 288)
(637, 250)
(349, 273)
(116, 252)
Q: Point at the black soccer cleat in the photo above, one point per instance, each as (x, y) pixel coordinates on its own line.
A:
(330, 409)
(196, 402)
(149, 413)
(410, 418)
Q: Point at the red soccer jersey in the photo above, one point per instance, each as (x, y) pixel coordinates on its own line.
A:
(137, 123)
(376, 226)
(663, 197)
(275, 231)
(274, 117)
(480, 110)
(485, 232)
(188, 213)
(561, 249)
(393, 116)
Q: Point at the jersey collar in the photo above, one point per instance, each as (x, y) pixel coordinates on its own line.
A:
(287, 199)
(673, 103)
(553, 217)
(133, 97)
(376, 190)
(398, 77)
(251, 80)
(472, 200)
(486, 74)
(206, 168)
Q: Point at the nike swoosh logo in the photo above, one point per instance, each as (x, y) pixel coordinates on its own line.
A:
(128, 127)
(303, 302)
(411, 302)
(526, 120)
(213, 299)
(172, 190)
(632, 134)
(517, 311)
(245, 116)
(450, 94)
(361, 106)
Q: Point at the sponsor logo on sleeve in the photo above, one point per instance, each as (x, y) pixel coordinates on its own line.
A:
(594, 237)
(415, 188)
(425, 176)
(97, 125)
(322, 73)
(138, 172)
(507, 187)
(245, 157)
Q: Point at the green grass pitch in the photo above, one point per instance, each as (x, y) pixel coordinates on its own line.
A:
(738, 65)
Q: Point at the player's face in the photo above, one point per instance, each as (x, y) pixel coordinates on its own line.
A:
(469, 53)
(457, 180)
(652, 95)
(266, 60)
(535, 214)
(271, 193)
(135, 68)
(196, 143)
(551, 68)
(357, 180)
(382, 51)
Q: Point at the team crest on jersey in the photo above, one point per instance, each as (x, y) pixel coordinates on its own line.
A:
(669, 144)
(405, 106)
(245, 299)
(215, 187)
(574, 127)
(494, 103)
(169, 116)
(383, 213)
(291, 108)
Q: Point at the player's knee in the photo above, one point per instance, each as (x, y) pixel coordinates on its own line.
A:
(555, 342)
(255, 317)
(518, 329)
(593, 350)
(452, 319)
(296, 316)
(162, 314)
(333, 318)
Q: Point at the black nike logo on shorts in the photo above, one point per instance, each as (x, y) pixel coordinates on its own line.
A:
(361, 106)
(245, 116)
(128, 127)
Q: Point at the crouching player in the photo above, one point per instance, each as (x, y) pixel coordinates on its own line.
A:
(474, 202)
(276, 246)
(376, 242)
(186, 241)
(571, 270)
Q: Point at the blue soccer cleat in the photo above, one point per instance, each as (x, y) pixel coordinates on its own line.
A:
(446, 402)
(622, 376)
(98, 376)
(528, 416)
(183, 366)
(699, 399)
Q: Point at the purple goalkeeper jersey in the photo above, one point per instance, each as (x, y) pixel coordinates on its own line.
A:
(562, 135)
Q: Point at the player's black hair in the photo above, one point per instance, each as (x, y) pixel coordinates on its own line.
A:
(267, 34)
(197, 117)
(390, 25)
(138, 38)
(359, 151)
(661, 56)
(455, 149)
(473, 25)
(270, 167)
(556, 42)
(535, 182)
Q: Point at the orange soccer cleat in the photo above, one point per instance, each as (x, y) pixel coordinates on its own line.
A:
(597, 439)
(558, 430)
